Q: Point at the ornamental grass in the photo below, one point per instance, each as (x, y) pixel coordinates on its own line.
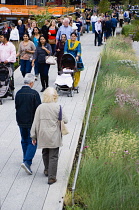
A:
(109, 173)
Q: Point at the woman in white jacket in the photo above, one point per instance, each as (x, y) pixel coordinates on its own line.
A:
(46, 132)
(14, 36)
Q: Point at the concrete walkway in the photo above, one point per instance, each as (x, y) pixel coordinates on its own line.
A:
(19, 190)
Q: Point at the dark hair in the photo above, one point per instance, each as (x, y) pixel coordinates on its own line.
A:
(12, 25)
(73, 33)
(39, 31)
(26, 34)
(64, 35)
(6, 36)
(40, 38)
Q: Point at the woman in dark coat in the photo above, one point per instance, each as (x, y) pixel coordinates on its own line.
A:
(43, 50)
(60, 51)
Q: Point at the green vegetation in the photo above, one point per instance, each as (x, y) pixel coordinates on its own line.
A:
(132, 29)
(104, 6)
(109, 173)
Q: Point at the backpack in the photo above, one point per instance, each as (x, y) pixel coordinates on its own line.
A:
(125, 14)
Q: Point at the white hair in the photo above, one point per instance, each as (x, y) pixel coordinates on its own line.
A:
(66, 20)
(19, 21)
(29, 78)
(50, 95)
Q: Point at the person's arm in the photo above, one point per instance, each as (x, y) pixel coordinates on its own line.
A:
(12, 58)
(47, 49)
(33, 131)
(58, 35)
(78, 51)
(32, 46)
(17, 32)
(96, 27)
(35, 55)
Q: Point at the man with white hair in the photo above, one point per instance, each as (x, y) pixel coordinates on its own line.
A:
(26, 102)
(21, 29)
(64, 29)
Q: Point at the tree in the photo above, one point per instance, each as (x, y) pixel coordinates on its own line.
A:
(90, 4)
(104, 6)
(40, 19)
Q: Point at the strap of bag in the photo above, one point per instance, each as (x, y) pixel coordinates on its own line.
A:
(60, 114)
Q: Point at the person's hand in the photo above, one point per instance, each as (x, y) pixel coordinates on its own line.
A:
(6, 62)
(77, 58)
(32, 63)
(34, 142)
(58, 50)
(44, 48)
(49, 33)
(27, 51)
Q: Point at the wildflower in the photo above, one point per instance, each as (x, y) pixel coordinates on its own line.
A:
(85, 147)
(114, 152)
(126, 151)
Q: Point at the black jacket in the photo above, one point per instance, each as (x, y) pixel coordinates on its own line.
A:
(26, 102)
(40, 54)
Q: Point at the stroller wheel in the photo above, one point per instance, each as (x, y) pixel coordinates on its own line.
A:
(57, 89)
(71, 94)
(1, 102)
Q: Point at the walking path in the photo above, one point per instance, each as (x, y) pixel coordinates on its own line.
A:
(19, 190)
(136, 48)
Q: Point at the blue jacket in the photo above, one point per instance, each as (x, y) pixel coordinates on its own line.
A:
(26, 102)
(114, 22)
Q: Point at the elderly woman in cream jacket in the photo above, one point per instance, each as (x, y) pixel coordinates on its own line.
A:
(46, 132)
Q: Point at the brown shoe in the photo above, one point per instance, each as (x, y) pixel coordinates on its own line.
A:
(52, 181)
(46, 172)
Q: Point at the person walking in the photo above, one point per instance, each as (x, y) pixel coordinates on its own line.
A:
(98, 32)
(43, 50)
(93, 21)
(88, 20)
(52, 31)
(6, 29)
(44, 29)
(73, 47)
(79, 25)
(26, 102)
(60, 51)
(64, 29)
(8, 55)
(21, 29)
(46, 132)
(14, 36)
(35, 39)
(114, 22)
(121, 19)
(25, 51)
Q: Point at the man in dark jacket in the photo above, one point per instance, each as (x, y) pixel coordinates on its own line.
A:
(26, 102)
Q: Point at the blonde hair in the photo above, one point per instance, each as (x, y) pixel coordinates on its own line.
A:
(50, 95)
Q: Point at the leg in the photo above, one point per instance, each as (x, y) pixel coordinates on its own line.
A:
(45, 157)
(53, 162)
(42, 83)
(24, 142)
(22, 67)
(31, 149)
(96, 36)
(46, 80)
(76, 78)
(36, 68)
(28, 66)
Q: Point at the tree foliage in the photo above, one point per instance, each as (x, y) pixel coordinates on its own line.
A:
(104, 6)
(40, 19)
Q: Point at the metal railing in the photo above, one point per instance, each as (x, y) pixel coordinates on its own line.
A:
(85, 130)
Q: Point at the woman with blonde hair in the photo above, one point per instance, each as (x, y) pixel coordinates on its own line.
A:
(46, 133)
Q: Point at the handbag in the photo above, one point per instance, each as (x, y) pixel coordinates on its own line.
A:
(80, 65)
(51, 60)
(63, 127)
(51, 41)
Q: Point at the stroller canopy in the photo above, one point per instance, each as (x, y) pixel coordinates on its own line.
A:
(68, 60)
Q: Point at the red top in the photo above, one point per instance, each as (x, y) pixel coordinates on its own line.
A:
(53, 32)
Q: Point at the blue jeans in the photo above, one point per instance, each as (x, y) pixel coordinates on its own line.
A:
(87, 28)
(25, 66)
(53, 46)
(28, 148)
(78, 36)
(36, 71)
(93, 27)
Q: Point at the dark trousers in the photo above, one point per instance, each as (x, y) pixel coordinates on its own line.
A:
(50, 160)
(113, 30)
(121, 22)
(97, 38)
(25, 67)
(53, 46)
(28, 148)
(44, 70)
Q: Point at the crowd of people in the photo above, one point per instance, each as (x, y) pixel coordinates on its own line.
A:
(39, 122)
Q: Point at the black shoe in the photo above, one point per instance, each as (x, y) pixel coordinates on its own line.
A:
(46, 172)
(51, 181)
(42, 89)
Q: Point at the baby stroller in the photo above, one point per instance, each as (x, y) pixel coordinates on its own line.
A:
(6, 82)
(65, 81)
